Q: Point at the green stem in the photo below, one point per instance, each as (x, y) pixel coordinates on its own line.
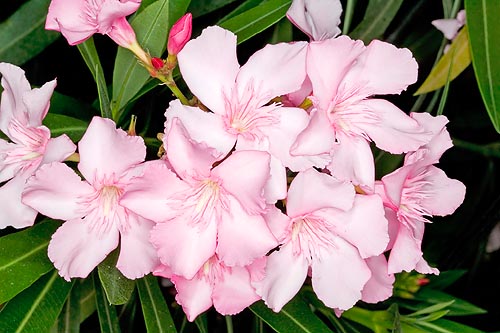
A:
(489, 150)
(349, 12)
(229, 324)
(169, 81)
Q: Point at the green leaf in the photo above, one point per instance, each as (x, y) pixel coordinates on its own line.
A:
(87, 298)
(102, 90)
(246, 5)
(155, 310)
(36, 309)
(23, 258)
(459, 307)
(295, 317)
(72, 107)
(451, 64)
(431, 309)
(60, 124)
(108, 319)
(23, 35)
(151, 26)
(117, 287)
(445, 279)
(283, 32)
(257, 19)
(202, 323)
(446, 326)
(69, 319)
(484, 31)
(378, 16)
(201, 7)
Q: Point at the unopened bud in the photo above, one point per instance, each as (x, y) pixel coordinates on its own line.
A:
(157, 63)
(180, 34)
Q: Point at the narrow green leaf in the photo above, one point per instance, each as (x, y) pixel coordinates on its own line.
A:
(431, 309)
(378, 16)
(484, 30)
(459, 307)
(451, 64)
(117, 287)
(257, 19)
(246, 5)
(60, 124)
(151, 26)
(102, 90)
(445, 279)
(202, 323)
(23, 258)
(108, 319)
(295, 317)
(36, 309)
(283, 32)
(87, 298)
(23, 35)
(69, 319)
(155, 310)
(446, 326)
(72, 107)
(201, 7)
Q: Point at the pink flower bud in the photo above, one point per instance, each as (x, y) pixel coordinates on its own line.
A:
(157, 63)
(180, 34)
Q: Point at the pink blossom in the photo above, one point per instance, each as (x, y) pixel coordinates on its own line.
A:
(208, 210)
(379, 287)
(179, 34)
(95, 221)
(415, 192)
(228, 289)
(326, 236)
(344, 74)
(450, 27)
(319, 19)
(22, 110)
(78, 20)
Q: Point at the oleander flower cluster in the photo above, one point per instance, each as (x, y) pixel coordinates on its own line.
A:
(267, 177)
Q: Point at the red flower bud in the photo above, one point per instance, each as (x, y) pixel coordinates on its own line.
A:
(157, 63)
(180, 34)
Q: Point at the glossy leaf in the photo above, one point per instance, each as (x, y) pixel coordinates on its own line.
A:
(458, 307)
(155, 310)
(117, 287)
(484, 30)
(446, 326)
(246, 5)
(108, 319)
(23, 35)
(23, 258)
(151, 26)
(202, 323)
(36, 309)
(378, 16)
(87, 298)
(451, 64)
(445, 279)
(60, 124)
(201, 7)
(72, 107)
(257, 19)
(295, 317)
(69, 319)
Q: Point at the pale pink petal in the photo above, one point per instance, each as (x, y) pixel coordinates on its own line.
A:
(394, 131)
(183, 246)
(352, 160)
(393, 228)
(285, 274)
(244, 175)
(195, 295)
(8, 170)
(58, 149)
(317, 139)
(406, 251)
(76, 248)
(58, 192)
(424, 268)
(297, 97)
(444, 195)
(137, 254)
(311, 190)
(281, 137)
(273, 71)
(112, 10)
(187, 157)
(277, 222)
(327, 64)
(319, 19)
(209, 66)
(394, 183)
(213, 131)
(382, 69)
(149, 194)
(449, 27)
(13, 211)
(242, 237)
(379, 287)
(37, 103)
(15, 85)
(233, 292)
(367, 217)
(106, 151)
(339, 276)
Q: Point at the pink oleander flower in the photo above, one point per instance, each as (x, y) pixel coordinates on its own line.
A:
(325, 237)
(379, 287)
(179, 34)
(203, 210)
(415, 192)
(319, 19)
(450, 27)
(228, 289)
(95, 221)
(240, 99)
(22, 110)
(344, 73)
(78, 20)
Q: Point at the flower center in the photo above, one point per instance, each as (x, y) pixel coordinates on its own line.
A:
(310, 235)
(415, 191)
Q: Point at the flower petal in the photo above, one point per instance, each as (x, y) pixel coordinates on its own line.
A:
(319, 19)
(112, 10)
(137, 254)
(14, 212)
(106, 151)
(379, 287)
(15, 85)
(58, 192)
(209, 66)
(58, 149)
(37, 103)
(339, 276)
(317, 138)
(76, 248)
(406, 251)
(285, 274)
(195, 295)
